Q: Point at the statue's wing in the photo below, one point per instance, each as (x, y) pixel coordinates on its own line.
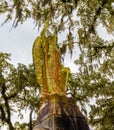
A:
(38, 60)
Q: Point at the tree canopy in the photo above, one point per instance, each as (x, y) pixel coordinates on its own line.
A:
(17, 86)
(78, 20)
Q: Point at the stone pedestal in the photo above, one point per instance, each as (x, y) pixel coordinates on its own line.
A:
(60, 113)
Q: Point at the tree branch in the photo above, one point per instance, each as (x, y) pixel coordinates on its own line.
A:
(30, 120)
(8, 118)
(97, 13)
(2, 113)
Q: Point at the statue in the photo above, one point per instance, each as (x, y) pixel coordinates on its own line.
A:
(51, 75)
(57, 111)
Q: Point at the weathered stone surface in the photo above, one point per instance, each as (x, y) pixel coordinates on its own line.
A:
(51, 75)
(60, 113)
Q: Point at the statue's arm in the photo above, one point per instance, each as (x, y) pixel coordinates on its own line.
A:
(65, 72)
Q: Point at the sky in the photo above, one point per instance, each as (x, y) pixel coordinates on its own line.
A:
(19, 41)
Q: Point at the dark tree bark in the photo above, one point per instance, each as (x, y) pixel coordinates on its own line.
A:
(6, 100)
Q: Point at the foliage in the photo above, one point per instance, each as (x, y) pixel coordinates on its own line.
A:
(17, 86)
(97, 92)
(78, 20)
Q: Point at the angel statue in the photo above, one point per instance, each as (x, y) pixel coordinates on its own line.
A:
(51, 75)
